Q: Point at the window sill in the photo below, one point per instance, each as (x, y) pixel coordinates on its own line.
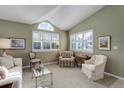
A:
(85, 51)
(45, 50)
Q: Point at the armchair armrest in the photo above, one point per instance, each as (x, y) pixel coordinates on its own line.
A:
(100, 65)
(99, 68)
(60, 57)
(73, 58)
(88, 61)
(18, 61)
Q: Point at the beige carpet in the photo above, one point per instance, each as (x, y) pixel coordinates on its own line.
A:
(67, 78)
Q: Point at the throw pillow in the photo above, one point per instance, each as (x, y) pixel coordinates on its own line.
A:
(63, 55)
(7, 62)
(17, 61)
(3, 72)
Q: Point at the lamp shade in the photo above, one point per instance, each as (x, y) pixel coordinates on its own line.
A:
(4, 43)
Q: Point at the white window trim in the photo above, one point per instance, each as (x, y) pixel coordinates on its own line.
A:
(86, 50)
(43, 50)
(53, 29)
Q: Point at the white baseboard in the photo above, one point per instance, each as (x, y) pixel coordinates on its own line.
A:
(114, 75)
(48, 63)
(23, 67)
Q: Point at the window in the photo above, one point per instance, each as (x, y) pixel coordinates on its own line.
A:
(82, 41)
(46, 26)
(45, 41)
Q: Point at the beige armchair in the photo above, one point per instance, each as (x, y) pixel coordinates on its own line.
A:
(94, 68)
(66, 59)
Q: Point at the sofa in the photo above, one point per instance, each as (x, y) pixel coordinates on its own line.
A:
(94, 67)
(14, 75)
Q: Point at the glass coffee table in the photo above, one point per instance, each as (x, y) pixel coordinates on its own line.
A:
(42, 72)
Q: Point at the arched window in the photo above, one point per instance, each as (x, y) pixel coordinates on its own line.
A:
(45, 26)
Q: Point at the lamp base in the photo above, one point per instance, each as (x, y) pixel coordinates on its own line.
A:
(4, 53)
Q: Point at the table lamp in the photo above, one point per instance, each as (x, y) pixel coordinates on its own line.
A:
(4, 44)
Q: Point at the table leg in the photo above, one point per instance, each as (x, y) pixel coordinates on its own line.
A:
(36, 82)
(32, 75)
(51, 80)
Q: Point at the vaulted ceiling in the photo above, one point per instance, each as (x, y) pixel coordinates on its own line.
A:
(62, 16)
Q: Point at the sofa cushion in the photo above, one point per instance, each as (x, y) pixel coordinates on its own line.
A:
(17, 61)
(7, 62)
(15, 69)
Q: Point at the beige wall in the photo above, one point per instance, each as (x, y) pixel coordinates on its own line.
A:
(18, 30)
(108, 21)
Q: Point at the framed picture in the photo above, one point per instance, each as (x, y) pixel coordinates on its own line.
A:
(17, 43)
(104, 43)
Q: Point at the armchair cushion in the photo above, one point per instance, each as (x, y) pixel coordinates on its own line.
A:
(68, 59)
(60, 57)
(89, 67)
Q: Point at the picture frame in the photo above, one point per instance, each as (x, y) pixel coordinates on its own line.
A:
(17, 43)
(104, 42)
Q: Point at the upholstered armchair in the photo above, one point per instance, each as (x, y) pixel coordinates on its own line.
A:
(66, 59)
(94, 68)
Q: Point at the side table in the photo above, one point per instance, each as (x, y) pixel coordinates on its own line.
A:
(80, 60)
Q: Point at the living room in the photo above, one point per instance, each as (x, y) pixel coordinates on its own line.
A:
(68, 29)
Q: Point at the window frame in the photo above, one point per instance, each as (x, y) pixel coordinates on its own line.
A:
(45, 50)
(53, 29)
(83, 42)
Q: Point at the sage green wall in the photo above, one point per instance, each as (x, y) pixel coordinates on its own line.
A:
(107, 21)
(18, 30)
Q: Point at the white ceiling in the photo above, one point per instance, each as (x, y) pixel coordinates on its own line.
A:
(24, 13)
(63, 16)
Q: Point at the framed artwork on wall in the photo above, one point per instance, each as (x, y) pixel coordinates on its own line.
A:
(17, 43)
(104, 42)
